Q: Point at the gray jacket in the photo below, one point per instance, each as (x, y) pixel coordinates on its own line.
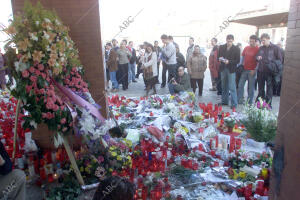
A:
(170, 52)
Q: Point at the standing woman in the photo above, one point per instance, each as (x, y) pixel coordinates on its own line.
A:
(150, 69)
(123, 57)
(197, 65)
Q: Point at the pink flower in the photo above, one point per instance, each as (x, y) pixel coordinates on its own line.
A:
(33, 78)
(25, 74)
(31, 69)
(41, 67)
(28, 88)
(42, 91)
(64, 129)
(58, 126)
(37, 72)
(100, 159)
(71, 124)
(43, 75)
(63, 121)
(55, 107)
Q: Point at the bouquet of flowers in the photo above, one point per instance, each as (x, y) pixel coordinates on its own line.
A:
(260, 122)
(45, 56)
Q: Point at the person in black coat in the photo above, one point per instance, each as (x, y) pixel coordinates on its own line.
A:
(179, 58)
(229, 57)
(12, 182)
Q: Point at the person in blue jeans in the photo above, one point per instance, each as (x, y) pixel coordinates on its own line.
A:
(249, 62)
(229, 57)
(132, 64)
(112, 65)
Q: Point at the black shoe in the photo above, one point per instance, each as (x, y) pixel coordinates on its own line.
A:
(162, 86)
(223, 104)
(134, 81)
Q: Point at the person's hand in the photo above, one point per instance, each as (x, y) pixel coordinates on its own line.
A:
(259, 57)
(252, 72)
(2, 161)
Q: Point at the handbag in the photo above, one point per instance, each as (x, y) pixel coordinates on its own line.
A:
(148, 73)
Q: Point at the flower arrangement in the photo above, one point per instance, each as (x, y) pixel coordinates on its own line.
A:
(260, 122)
(45, 55)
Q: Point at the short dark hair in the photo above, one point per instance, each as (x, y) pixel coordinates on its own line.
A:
(114, 188)
(124, 41)
(130, 42)
(265, 35)
(170, 37)
(230, 37)
(114, 40)
(253, 37)
(179, 68)
(164, 37)
(109, 44)
(191, 38)
(215, 39)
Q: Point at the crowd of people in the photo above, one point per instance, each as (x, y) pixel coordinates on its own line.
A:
(260, 63)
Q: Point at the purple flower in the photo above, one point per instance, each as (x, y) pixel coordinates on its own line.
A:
(100, 159)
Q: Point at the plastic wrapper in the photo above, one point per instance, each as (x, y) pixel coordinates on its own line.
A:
(89, 187)
(156, 132)
(210, 132)
(29, 143)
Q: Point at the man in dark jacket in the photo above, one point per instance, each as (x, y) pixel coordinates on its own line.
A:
(179, 58)
(157, 50)
(181, 83)
(229, 57)
(266, 54)
(12, 182)
(132, 62)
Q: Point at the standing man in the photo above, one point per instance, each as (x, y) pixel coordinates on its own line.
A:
(249, 62)
(268, 53)
(179, 58)
(132, 62)
(277, 86)
(112, 65)
(190, 50)
(157, 50)
(214, 67)
(115, 44)
(169, 54)
(229, 57)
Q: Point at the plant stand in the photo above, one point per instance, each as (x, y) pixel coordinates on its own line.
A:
(72, 160)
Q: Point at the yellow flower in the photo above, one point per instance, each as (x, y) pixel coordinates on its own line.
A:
(53, 56)
(110, 170)
(87, 170)
(51, 63)
(10, 30)
(113, 154)
(172, 97)
(81, 169)
(119, 158)
(128, 143)
(186, 129)
(242, 174)
(37, 56)
(51, 36)
(23, 45)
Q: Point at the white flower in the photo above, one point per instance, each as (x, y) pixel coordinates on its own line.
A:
(33, 123)
(57, 22)
(37, 23)
(33, 37)
(47, 20)
(46, 36)
(20, 66)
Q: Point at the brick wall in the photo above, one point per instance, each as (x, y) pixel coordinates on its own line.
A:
(82, 17)
(288, 134)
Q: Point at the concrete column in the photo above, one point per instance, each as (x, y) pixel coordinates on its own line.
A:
(285, 182)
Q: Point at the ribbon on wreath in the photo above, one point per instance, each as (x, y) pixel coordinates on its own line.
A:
(76, 99)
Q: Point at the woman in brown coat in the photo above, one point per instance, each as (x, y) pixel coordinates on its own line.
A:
(197, 65)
